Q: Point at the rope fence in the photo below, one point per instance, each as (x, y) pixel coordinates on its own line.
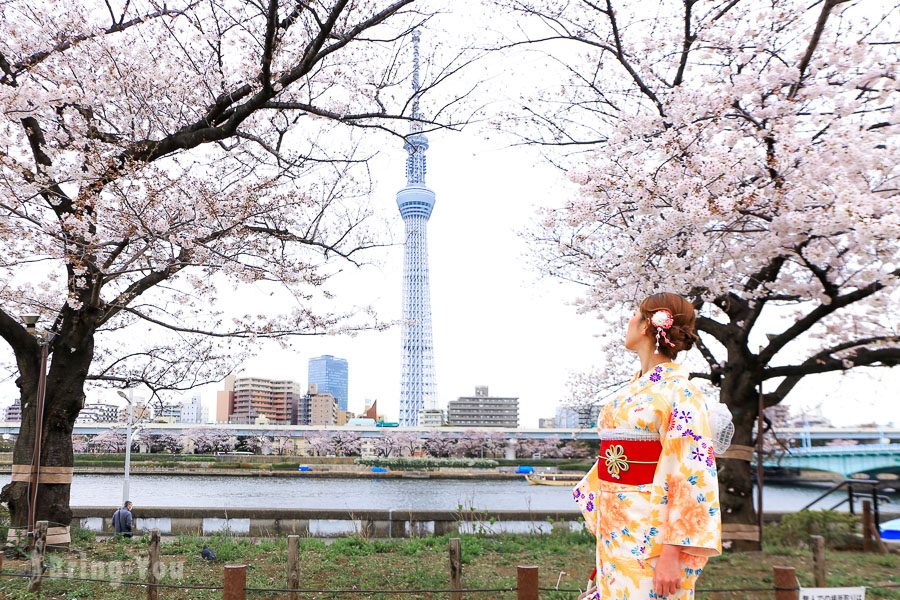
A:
(234, 587)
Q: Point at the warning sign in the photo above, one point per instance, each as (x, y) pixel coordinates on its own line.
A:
(854, 593)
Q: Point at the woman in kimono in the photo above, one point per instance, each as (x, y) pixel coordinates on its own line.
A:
(652, 498)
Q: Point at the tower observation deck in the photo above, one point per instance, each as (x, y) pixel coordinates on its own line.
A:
(416, 201)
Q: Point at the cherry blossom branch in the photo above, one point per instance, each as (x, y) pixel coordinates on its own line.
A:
(620, 56)
(689, 39)
(823, 363)
(12, 71)
(817, 314)
(718, 330)
(269, 44)
(14, 333)
(827, 7)
(245, 333)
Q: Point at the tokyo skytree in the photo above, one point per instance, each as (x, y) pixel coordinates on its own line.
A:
(415, 200)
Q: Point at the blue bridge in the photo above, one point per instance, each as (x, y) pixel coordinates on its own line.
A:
(846, 460)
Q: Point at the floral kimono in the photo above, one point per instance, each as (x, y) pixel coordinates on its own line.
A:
(679, 507)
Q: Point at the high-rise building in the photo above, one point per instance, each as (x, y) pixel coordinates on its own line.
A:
(193, 411)
(14, 411)
(329, 374)
(431, 418)
(316, 408)
(141, 411)
(225, 400)
(98, 412)
(582, 417)
(416, 201)
(483, 410)
(250, 397)
(170, 412)
(567, 418)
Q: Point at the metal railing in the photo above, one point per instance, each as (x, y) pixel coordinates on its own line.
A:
(856, 488)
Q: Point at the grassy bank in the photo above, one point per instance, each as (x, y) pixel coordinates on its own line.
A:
(417, 563)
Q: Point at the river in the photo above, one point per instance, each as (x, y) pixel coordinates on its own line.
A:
(443, 494)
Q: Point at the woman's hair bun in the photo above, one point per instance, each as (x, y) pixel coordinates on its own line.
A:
(683, 332)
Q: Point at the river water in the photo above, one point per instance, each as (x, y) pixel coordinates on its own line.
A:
(357, 494)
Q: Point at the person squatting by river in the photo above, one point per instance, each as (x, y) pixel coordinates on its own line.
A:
(652, 498)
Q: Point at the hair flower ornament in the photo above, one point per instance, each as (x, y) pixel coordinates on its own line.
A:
(662, 319)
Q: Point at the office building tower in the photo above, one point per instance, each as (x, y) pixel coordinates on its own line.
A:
(246, 398)
(193, 411)
(14, 411)
(316, 408)
(483, 410)
(330, 375)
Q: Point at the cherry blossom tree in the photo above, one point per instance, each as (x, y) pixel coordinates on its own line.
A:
(527, 447)
(258, 444)
(346, 443)
(156, 153)
(407, 441)
(163, 442)
(80, 444)
(550, 447)
(440, 444)
(280, 442)
(495, 443)
(744, 154)
(320, 443)
(385, 445)
(471, 444)
(208, 441)
(110, 441)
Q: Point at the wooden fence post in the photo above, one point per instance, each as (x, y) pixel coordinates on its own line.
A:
(455, 569)
(868, 534)
(527, 583)
(786, 586)
(871, 536)
(293, 564)
(155, 569)
(235, 582)
(817, 542)
(37, 556)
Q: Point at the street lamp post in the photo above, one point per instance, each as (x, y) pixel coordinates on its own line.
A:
(130, 400)
(34, 476)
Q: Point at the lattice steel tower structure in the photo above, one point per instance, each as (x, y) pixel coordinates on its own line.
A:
(416, 201)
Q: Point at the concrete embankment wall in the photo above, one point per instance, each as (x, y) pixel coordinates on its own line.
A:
(269, 522)
(264, 522)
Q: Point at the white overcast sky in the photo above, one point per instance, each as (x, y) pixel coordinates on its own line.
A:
(495, 322)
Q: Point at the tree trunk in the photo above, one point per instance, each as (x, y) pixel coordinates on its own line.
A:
(736, 477)
(63, 401)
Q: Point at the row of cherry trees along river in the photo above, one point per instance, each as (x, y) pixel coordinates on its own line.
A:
(473, 444)
(155, 155)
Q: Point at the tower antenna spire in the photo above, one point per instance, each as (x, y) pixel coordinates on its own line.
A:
(416, 125)
(416, 201)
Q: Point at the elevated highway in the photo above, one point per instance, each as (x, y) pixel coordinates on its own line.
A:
(819, 434)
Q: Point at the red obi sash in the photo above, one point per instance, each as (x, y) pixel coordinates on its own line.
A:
(627, 461)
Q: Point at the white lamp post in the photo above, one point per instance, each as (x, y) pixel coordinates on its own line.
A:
(129, 399)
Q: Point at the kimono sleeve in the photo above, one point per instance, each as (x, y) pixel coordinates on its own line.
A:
(685, 488)
(587, 497)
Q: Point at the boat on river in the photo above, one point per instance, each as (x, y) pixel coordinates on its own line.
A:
(560, 479)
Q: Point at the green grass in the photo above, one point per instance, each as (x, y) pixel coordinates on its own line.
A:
(416, 563)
